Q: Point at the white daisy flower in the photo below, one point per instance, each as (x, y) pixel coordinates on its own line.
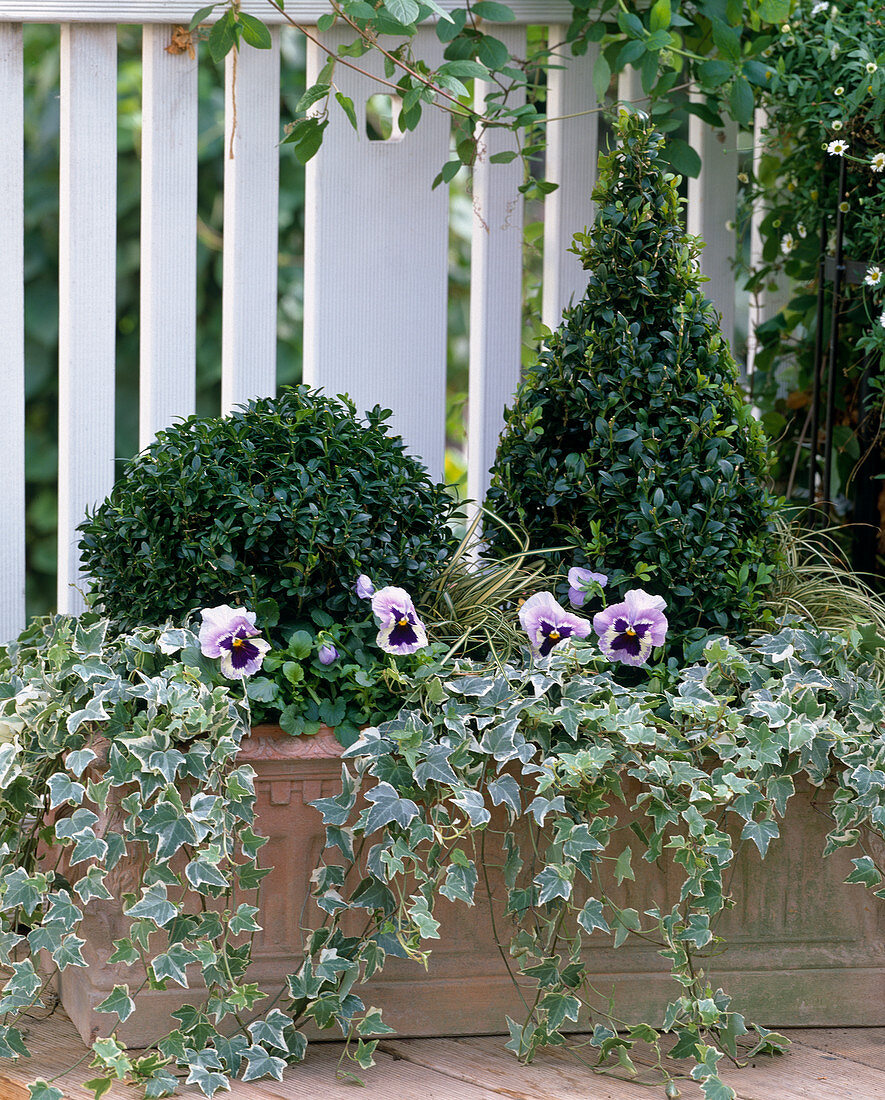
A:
(787, 244)
(844, 207)
(785, 29)
(837, 124)
(873, 276)
(837, 148)
(820, 6)
(839, 91)
(871, 66)
(800, 229)
(878, 162)
(834, 51)
(882, 319)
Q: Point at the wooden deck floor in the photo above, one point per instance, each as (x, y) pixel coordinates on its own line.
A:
(823, 1064)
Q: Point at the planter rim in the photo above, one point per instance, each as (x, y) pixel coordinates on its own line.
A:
(271, 742)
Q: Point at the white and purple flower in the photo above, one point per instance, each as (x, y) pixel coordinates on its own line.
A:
(548, 624)
(629, 631)
(229, 633)
(581, 584)
(401, 631)
(364, 587)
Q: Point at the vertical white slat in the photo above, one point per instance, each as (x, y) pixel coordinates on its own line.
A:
(766, 303)
(87, 285)
(251, 224)
(376, 261)
(495, 287)
(711, 210)
(572, 150)
(168, 234)
(630, 91)
(12, 341)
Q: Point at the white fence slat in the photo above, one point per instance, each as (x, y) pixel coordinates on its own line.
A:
(12, 358)
(572, 150)
(168, 234)
(766, 303)
(711, 210)
(251, 224)
(495, 288)
(87, 286)
(376, 261)
(180, 11)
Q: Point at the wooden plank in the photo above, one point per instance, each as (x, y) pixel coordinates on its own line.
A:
(572, 150)
(858, 1044)
(168, 234)
(180, 11)
(251, 224)
(87, 288)
(376, 260)
(553, 1075)
(12, 333)
(711, 210)
(495, 287)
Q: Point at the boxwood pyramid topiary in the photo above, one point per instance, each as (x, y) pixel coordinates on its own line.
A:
(629, 439)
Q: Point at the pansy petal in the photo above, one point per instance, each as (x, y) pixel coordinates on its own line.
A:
(244, 659)
(221, 622)
(391, 602)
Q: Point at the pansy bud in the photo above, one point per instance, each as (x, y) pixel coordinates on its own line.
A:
(364, 587)
(328, 654)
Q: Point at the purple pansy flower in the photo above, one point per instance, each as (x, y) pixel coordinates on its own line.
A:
(547, 623)
(229, 633)
(629, 631)
(328, 654)
(579, 582)
(364, 587)
(402, 632)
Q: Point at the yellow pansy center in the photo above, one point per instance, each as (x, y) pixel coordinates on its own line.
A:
(403, 621)
(237, 643)
(553, 635)
(630, 632)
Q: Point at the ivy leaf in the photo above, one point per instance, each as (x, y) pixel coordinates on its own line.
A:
(78, 760)
(623, 869)
(91, 885)
(591, 917)
(262, 1064)
(99, 1086)
(207, 1080)
(118, 1001)
(540, 806)
(761, 833)
(172, 964)
(388, 807)
(460, 883)
(154, 905)
(68, 952)
(271, 1029)
(40, 1090)
(864, 872)
(554, 882)
(505, 789)
(244, 920)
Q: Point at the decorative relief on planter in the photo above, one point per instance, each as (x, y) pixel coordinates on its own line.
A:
(801, 947)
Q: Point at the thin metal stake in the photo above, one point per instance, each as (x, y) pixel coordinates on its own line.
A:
(838, 275)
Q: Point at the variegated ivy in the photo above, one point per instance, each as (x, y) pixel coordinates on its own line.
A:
(143, 722)
(709, 753)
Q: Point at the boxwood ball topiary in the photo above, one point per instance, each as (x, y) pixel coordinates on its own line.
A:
(287, 499)
(629, 438)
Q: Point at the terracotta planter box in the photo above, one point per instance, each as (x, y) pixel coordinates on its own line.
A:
(802, 947)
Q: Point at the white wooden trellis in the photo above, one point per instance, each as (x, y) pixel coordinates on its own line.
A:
(375, 249)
